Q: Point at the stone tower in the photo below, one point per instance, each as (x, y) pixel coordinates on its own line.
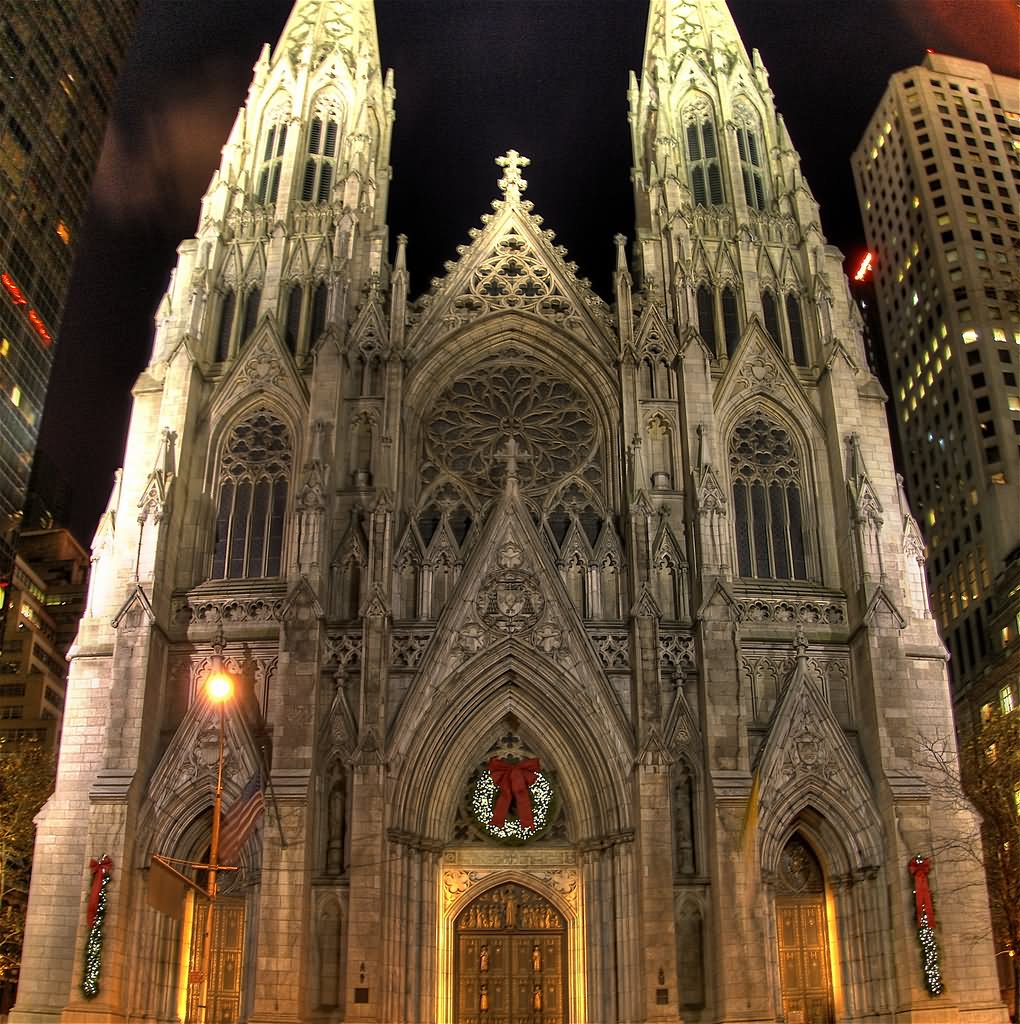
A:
(586, 646)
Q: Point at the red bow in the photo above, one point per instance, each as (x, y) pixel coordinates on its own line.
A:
(513, 781)
(919, 868)
(100, 869)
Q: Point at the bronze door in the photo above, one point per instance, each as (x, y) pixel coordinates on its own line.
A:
(510, 960)
(224, 994)
(803, 938)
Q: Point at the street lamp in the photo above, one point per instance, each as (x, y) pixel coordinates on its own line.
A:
(219, 688)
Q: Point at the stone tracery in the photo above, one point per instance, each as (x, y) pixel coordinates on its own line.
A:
(508, 396)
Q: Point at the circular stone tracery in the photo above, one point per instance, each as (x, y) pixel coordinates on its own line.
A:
(510, 396)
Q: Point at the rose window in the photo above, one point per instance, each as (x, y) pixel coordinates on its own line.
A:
(509, 396)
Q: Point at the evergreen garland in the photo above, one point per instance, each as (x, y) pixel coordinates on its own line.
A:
(94, 944)
(930, 958)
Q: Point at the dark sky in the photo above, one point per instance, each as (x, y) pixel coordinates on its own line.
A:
(474, 78)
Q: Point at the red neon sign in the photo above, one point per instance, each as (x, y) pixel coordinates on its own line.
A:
(16, 294)
(40, 328)
(865, 268)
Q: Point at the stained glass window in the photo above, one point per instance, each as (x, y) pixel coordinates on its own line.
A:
(254, 475)
(770, 313)
(793, 318)
(703, 156)
(706, 317)
(268, 175)
(767, 487)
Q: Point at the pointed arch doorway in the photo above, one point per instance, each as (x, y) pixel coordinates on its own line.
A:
(803, 935)
(510, 957)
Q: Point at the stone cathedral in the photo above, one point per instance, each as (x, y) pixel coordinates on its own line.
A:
(583, 646)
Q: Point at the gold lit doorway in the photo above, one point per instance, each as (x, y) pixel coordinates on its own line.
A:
(509, 960)
(802, 929)
(225, 966)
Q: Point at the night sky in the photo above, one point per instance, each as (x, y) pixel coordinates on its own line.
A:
(474, 78)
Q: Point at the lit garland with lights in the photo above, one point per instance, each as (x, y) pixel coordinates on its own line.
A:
(919, 867)
(95, 913)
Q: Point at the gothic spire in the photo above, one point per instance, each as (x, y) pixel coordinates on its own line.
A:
(329, 26)
(704, 29)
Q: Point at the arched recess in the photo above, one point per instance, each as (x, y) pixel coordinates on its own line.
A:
(590, 750)
(847, 843)
(809, 448)
(173, 948)
(547, 347)
(455, 900)
(223, 416)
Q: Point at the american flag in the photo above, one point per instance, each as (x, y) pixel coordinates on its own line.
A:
(240, 819)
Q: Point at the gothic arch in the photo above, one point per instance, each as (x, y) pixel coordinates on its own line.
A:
(510, 876)
(547, 355)
(455, 353)
(591, 751)
(810, 450)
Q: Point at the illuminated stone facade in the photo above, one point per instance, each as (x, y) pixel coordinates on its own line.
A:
(656, 545)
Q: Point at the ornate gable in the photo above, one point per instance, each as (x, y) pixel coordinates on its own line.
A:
(510, 593)
(264, 366)
(759, 368)
(806, 761)
(511, 264)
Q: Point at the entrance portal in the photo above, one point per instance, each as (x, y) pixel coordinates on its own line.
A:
(803, 937)
(224, 995)
(509, 960)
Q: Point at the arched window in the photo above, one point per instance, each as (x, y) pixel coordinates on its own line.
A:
(797, 342)
(271, 165)
(730, 319)
(320, 165)
(703, 155)
(751, 166)
(228, 307)
(706, 317)
(251, 314)
(255, 468)
(767, 501)
(770, 312)
(319, 298)
(292, 319)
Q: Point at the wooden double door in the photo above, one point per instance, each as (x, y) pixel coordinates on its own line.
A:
(803, 934)
(510, 960)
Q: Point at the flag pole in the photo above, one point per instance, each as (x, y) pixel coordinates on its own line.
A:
(260, 745)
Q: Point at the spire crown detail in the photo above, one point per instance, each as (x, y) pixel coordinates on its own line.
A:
(324, 26)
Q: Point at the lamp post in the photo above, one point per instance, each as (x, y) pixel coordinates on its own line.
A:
(219, 688)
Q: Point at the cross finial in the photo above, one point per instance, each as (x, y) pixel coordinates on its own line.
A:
(512, 455)
(512, 184)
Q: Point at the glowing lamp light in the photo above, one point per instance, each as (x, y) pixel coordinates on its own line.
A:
(219, 686)
(865, 268)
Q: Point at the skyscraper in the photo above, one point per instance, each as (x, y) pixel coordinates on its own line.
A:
(586, 646)
(938, 176)
(58, 69)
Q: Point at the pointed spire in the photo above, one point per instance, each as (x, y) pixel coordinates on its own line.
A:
(320, 27)
(701, 27)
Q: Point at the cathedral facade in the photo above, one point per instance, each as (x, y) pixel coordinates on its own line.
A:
(584, 647)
